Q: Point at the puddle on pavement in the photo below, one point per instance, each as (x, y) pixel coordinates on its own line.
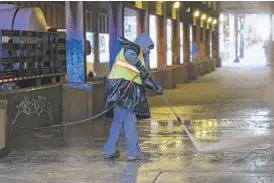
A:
(170, 146)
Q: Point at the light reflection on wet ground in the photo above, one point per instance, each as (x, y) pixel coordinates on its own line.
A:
(74, 154)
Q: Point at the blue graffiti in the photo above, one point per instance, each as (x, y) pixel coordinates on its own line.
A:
(75, 61)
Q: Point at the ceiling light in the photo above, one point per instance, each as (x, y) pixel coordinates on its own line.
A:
(209, 19)
(176, 4)
(188, 9)
(197, 13)
(214, 21)
(204, 16)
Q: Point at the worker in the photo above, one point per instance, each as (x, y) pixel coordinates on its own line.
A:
(130, 65)
(90, 71)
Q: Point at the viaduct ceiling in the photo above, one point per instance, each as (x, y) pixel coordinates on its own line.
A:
(246, 7)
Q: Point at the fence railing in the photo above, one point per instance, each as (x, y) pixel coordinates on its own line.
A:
(28, 55)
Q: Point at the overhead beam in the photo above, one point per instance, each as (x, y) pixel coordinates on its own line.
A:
(245, 11)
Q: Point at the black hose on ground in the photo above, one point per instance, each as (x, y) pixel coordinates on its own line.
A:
(80, 121)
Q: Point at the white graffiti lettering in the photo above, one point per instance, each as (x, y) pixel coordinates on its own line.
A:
(34, 106)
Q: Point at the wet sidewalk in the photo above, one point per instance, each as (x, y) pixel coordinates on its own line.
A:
(227, 103)
(254, 55)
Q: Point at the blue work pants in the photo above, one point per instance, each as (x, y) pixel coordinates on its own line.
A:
(127, 119)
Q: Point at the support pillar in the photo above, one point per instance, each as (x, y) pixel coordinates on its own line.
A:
(204, 43)
(162, 41)
(186, 44)
(270, 58)
(194, 43)
(241, 36)
(198, 41)
(96, 52)
(207, 43)
(115, 28)
(75, 39)
(217, 44)
(144, 20)
(176, 42)
(96, 49)
(236, 38)
(139, 23)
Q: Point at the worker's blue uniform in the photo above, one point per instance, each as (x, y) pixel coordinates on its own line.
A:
(134, 104)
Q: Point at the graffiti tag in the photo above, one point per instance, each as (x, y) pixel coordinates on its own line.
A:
(34, 106)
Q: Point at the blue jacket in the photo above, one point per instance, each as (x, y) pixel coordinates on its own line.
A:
(135, 98)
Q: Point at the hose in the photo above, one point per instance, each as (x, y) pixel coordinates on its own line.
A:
(83, 120)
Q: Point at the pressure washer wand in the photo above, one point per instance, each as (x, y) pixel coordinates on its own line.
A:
(179, 120)
(196, 143)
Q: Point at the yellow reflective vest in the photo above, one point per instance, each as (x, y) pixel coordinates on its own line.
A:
(122, 69)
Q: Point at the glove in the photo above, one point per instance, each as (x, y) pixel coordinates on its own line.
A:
(144, 74)
(160, 90)
(150, 84)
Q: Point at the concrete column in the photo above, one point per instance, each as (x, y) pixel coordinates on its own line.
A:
(75, 37)
(214, 43)
(194, 54)
(162, 39)
(201, 42)
(198, 40)
(207, 43)
(144, 20)
(236, 38)
(139, 23)
(241, 36)
(176, 42)
(204, 43)
(116, 28)
(186, 44)
(96, 51)
(96, 44)
(270, 45)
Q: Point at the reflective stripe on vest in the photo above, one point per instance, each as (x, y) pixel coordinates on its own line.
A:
(122, 69)
(127, 65)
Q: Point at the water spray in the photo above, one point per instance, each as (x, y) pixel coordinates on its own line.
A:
(195, 142)
(228, 144)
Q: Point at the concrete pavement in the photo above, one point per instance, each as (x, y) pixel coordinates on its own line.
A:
(227, 103)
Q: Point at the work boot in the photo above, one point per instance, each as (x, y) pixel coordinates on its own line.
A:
(112, 156)
(143, 156)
